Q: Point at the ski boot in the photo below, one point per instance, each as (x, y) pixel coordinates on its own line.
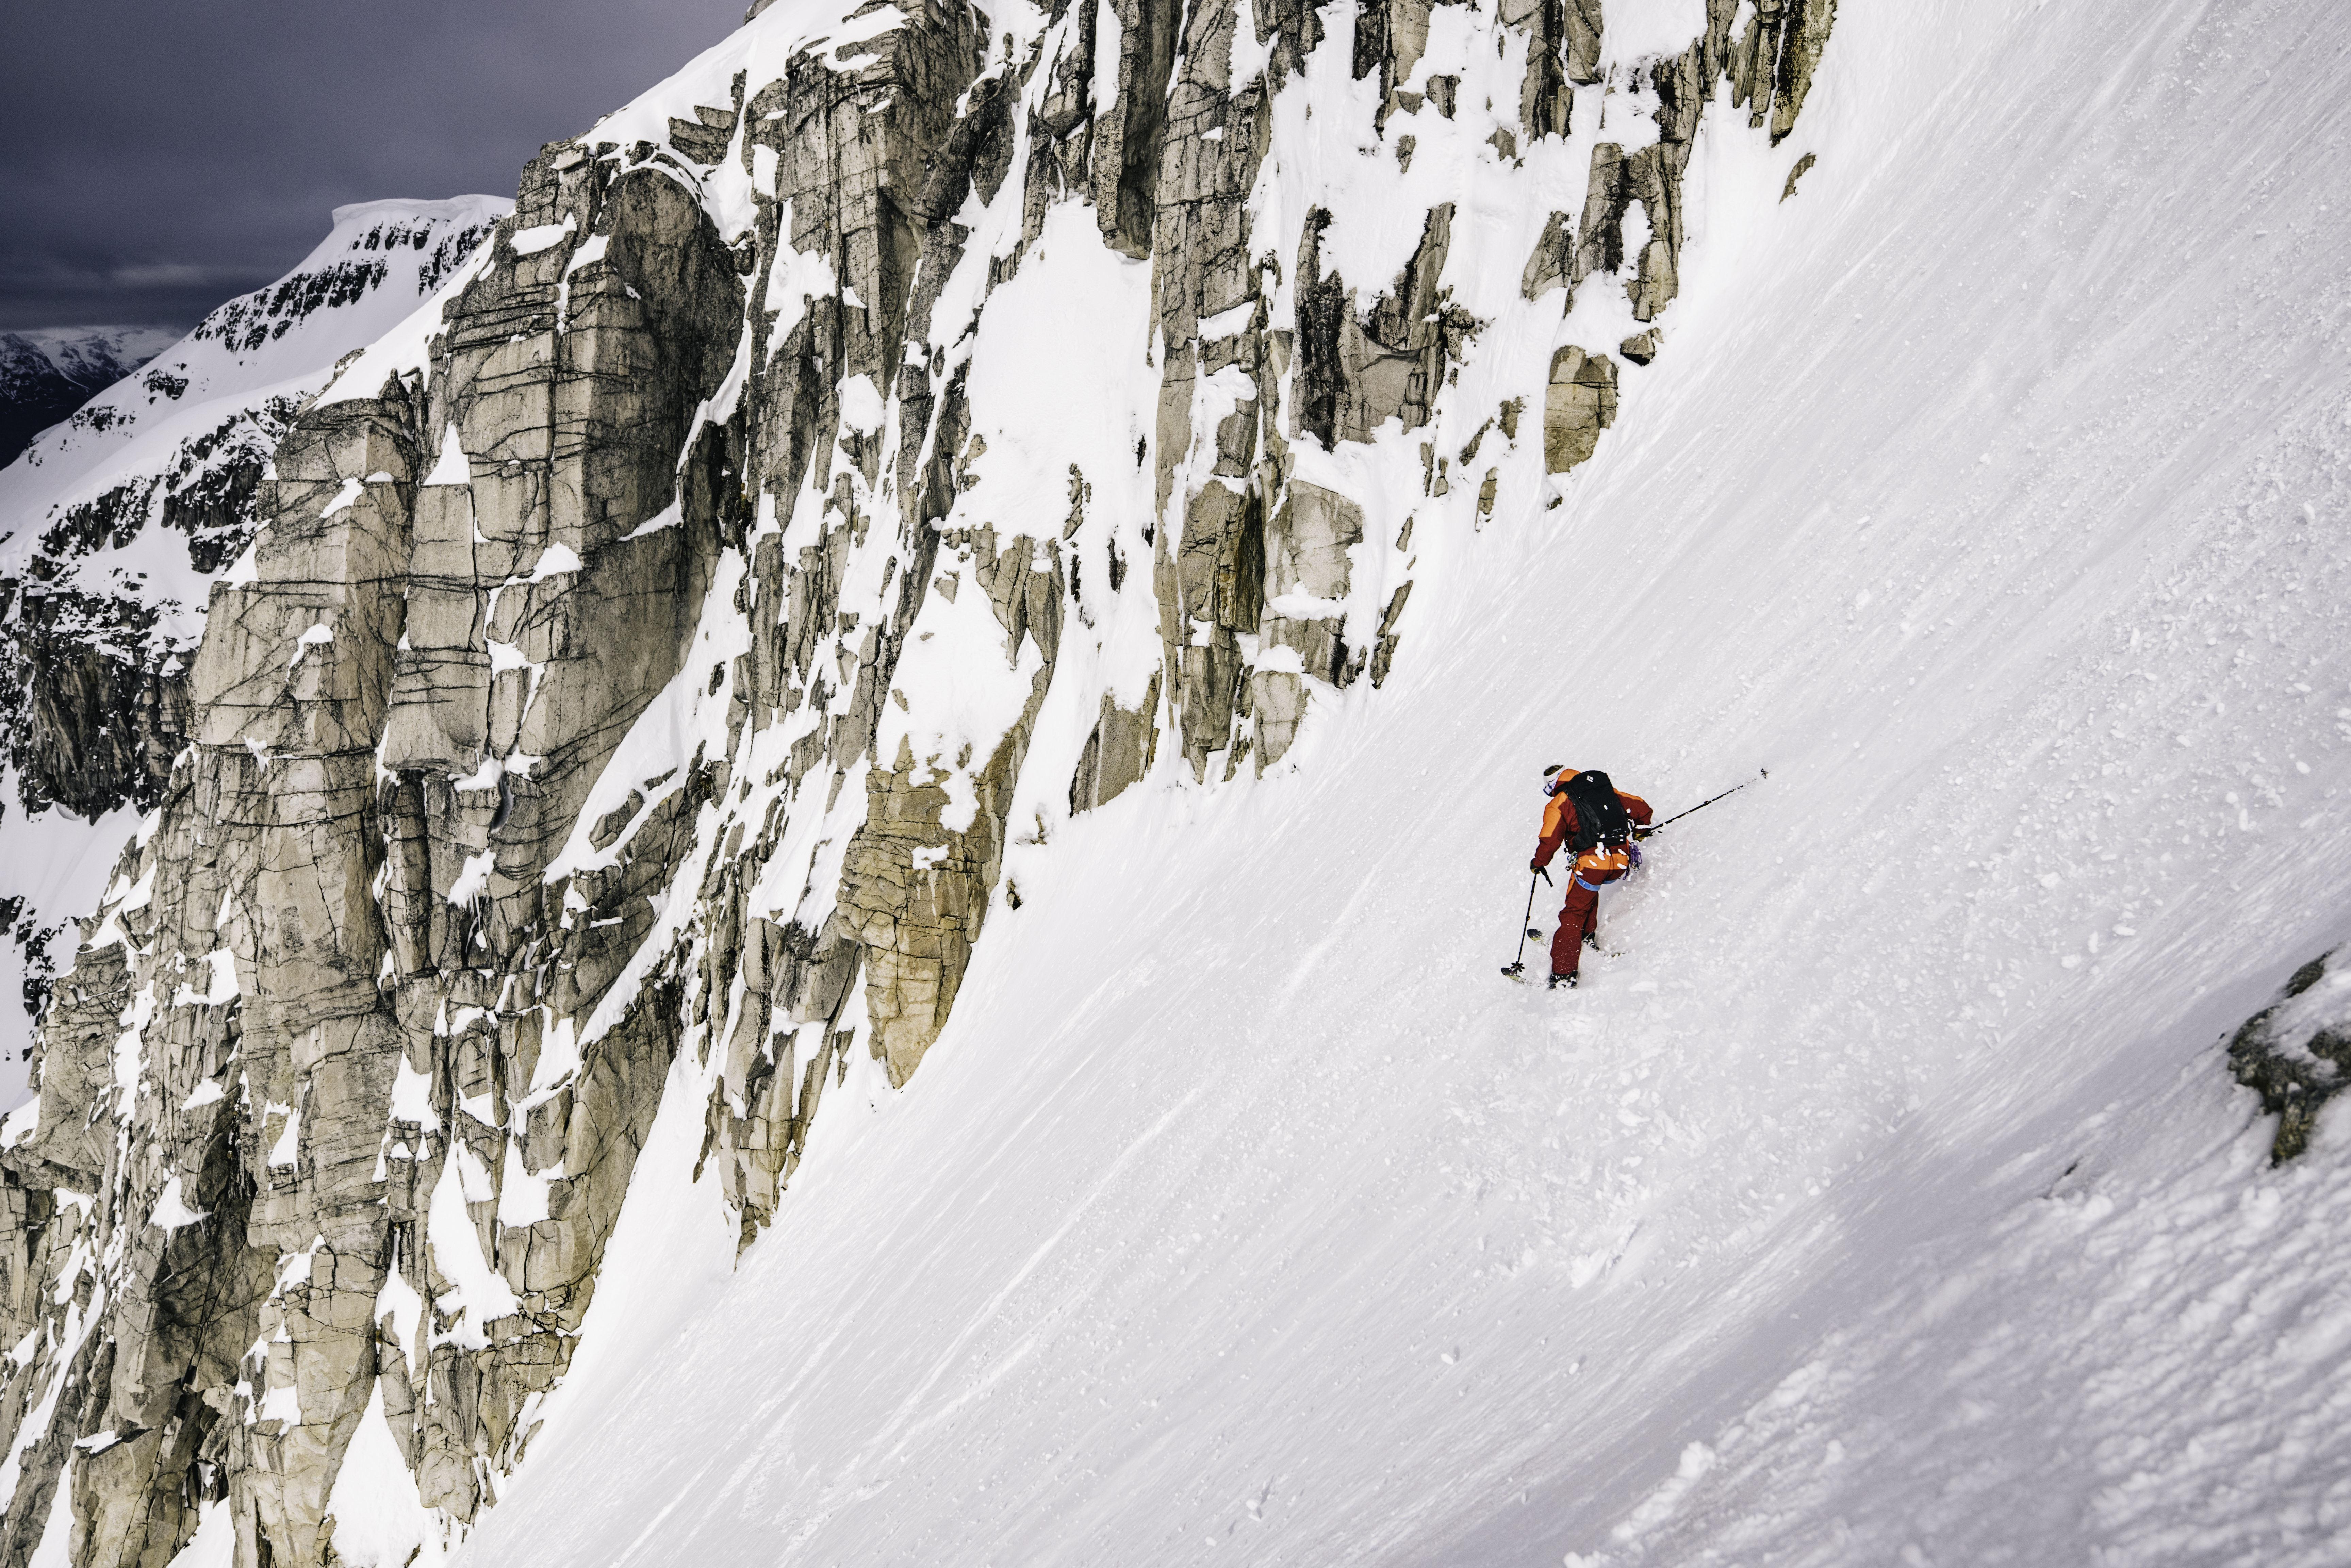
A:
(1559, 980)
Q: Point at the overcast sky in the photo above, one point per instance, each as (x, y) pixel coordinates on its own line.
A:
(160, 157)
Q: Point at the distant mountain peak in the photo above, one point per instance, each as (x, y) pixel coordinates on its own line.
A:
(46, 372)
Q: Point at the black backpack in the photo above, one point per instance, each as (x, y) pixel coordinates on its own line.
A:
(1599, 816)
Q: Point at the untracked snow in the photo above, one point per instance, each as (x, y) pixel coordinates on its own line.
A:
(1886, 1200)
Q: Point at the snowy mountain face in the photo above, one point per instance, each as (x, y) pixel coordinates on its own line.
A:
(960, 613)
(46, 375)
(887, 441)
(117, 522)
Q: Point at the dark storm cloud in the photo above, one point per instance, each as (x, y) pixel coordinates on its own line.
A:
(156, 159)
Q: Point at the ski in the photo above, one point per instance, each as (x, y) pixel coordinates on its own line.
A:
(1518, 971)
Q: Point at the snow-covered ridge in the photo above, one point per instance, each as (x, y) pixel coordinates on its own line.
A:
(371, 269)
(357, 259)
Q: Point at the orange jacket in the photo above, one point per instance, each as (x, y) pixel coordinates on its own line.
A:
(1559, 826)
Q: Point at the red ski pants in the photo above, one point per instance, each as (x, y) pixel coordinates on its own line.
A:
(1578, 918)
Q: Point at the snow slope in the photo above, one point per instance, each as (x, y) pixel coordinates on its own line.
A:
(1886, 1200)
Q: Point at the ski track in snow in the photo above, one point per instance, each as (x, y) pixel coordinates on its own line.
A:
(1886, 1200)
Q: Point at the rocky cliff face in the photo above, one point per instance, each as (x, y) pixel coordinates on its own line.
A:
(118, 521)
(892, 435)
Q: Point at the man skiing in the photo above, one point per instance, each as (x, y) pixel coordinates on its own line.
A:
(1597, 822)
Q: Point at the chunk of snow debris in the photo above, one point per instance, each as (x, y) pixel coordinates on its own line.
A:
(541, 236)
(473, 878)
(1299, 605)
(860, 404)
(172, 1211)
(1697, 1460)
(317, 636)
(451, 466)
(352, 489)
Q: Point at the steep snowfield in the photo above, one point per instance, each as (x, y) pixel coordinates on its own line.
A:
(1885, 1199)
(89, 510)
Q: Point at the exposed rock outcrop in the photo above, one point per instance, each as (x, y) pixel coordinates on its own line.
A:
(2295, 1053)
(1769, 67)
(118, 520)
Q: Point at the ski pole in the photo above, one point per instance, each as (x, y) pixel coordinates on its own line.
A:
(1519, 964)
(1702, 805)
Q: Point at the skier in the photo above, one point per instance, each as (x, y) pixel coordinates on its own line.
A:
(1597, 822)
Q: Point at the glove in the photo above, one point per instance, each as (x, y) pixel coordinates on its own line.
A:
(1534, 865)
(1643, 832)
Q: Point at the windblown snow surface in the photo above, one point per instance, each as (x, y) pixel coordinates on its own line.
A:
(1885, 1199)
